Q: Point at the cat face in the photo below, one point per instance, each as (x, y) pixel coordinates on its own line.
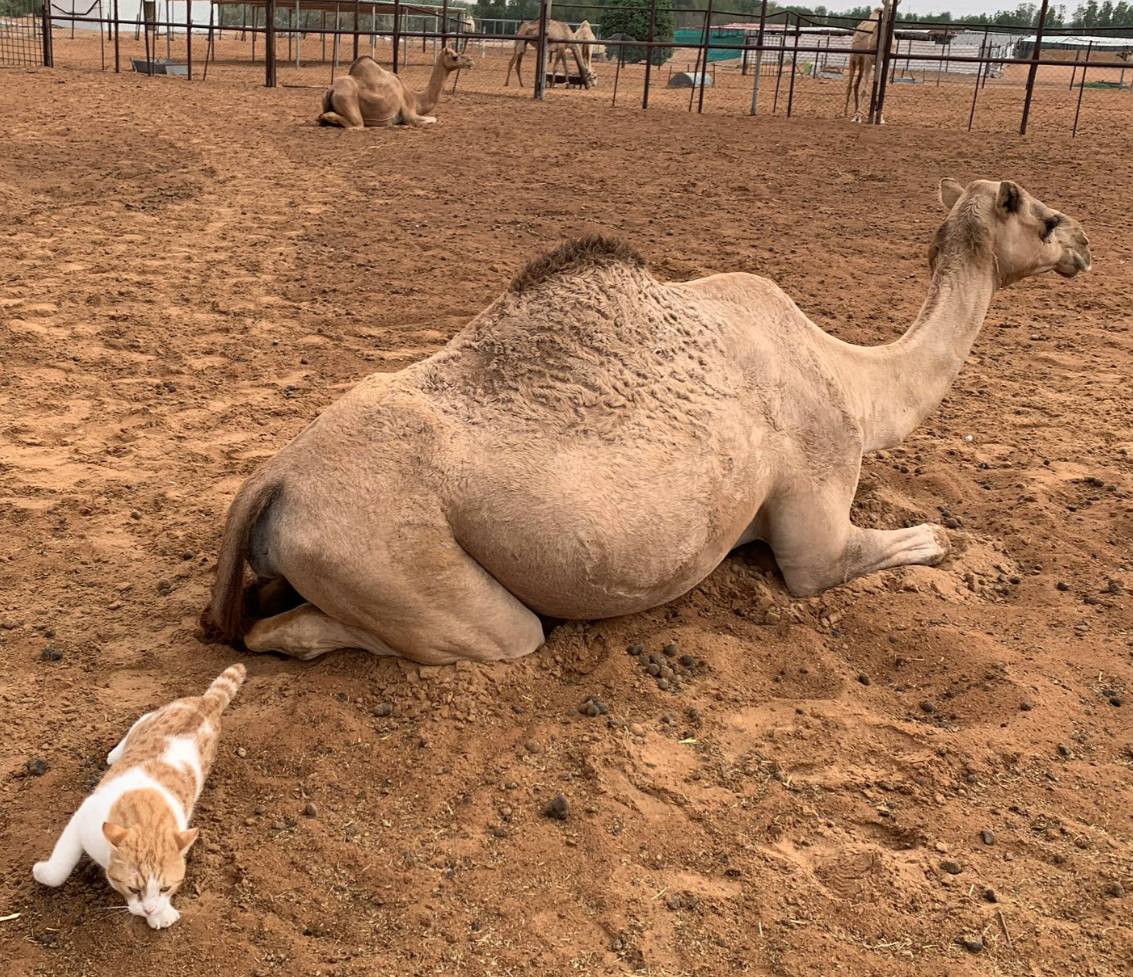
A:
(146, 870)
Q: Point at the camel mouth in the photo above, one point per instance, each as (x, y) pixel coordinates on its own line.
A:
(1079, 264)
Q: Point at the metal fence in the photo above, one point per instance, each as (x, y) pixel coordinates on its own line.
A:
(949, 75)
(21, 41)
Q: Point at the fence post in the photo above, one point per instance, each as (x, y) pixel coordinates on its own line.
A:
(984, 50)
(269, 44)
(1034, 70)
(117, 48)
(648, 53)
(878, 56)
(541, 53)
(48, 51)
(794, 65)
(1082, 87)
(758, 56)
(396, 34)
(890, 26)
(707, 51)
(444, 27)
(189, 36)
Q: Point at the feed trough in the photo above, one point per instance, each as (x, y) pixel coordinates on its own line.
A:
(160, 67)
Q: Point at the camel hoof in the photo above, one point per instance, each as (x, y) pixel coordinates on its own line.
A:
(943, 545)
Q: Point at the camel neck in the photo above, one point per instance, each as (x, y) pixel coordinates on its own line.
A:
(897, 386)
(427, 100)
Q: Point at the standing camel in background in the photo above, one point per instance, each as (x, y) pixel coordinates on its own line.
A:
(863, 54)
(560, 39)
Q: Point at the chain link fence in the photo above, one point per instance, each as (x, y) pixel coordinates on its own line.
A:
(715, 61)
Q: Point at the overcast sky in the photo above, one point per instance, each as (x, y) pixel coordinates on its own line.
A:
(963, 8)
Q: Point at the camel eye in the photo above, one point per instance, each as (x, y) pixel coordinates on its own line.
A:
(1049, 225)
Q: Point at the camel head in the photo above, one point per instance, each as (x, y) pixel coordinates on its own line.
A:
(451, 60)
(1024, 235)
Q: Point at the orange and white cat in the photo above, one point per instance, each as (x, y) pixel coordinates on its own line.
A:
(135, 824)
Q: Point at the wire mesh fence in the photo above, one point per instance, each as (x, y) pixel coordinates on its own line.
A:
(715, 61)
(21, 40)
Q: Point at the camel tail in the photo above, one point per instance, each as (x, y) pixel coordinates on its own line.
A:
(224, 618)
(224, 687)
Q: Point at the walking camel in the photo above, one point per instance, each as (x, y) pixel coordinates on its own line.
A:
(560, 39)
(596, 441)
(368, 95)
(863, 55)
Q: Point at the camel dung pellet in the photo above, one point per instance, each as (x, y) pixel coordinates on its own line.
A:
(663, 684)
(50, 655)
(670, 650)
(864, 679)
(259, 809)
(1116, 700)
(656, 659)
(654, 669)
(987, 836)
(675, 901)
(973, 944)
(928, 707)
(1115, 890)
(666, 672)
(688, 661)
(636, 649)
(1026, 705)
(1062, 585)
(636, 729)
(557, 808)
(532, 746)
(37, 767)
(383, 709)
(989, 895)
(951, 867)
(1064, 750)
(310, 810)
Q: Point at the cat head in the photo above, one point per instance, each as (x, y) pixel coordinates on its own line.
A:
(146, 866)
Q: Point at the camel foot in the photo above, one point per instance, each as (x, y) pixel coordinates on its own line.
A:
(305, 633)
(426, 120)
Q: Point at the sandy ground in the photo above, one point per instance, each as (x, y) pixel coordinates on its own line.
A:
(190, 273)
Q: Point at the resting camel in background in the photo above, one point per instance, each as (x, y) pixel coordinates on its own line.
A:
(595, 442)
(560, 39)
(368, 95)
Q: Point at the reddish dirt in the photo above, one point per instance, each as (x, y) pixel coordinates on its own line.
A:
(190, 273)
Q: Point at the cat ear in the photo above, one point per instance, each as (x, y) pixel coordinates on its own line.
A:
(113, 833)
(185, 839)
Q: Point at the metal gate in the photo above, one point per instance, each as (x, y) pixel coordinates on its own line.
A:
(21, 34)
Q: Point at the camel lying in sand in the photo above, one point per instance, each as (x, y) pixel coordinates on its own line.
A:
(595, 442)
(368, 95)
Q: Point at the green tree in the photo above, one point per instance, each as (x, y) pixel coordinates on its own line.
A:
(632, 17)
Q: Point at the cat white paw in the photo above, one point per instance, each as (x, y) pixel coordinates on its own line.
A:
(44, 874)
(167, 917)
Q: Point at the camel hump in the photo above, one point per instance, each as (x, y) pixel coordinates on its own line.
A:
(574, 257)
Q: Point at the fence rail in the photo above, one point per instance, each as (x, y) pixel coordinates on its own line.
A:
(734, 63)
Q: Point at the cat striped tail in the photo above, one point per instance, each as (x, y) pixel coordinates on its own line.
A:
(225, 686)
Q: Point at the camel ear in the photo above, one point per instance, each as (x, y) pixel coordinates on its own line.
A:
(185, 839)
(1009, 197)
(950, 192)
(114, 833)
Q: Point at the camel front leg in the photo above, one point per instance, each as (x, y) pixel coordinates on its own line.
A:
(817, 547)
(865, 80)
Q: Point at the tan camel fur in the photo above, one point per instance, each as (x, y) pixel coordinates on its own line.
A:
(368, 95)
(595, 442)
(559, 38)
(586, 33)
(863, 55)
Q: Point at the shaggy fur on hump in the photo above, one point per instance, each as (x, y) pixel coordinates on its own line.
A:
(593, 251)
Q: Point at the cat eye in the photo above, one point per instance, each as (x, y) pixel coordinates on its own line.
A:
(166, 888)
(136, 892)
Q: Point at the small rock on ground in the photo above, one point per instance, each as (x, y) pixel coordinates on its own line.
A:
(557, 808)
